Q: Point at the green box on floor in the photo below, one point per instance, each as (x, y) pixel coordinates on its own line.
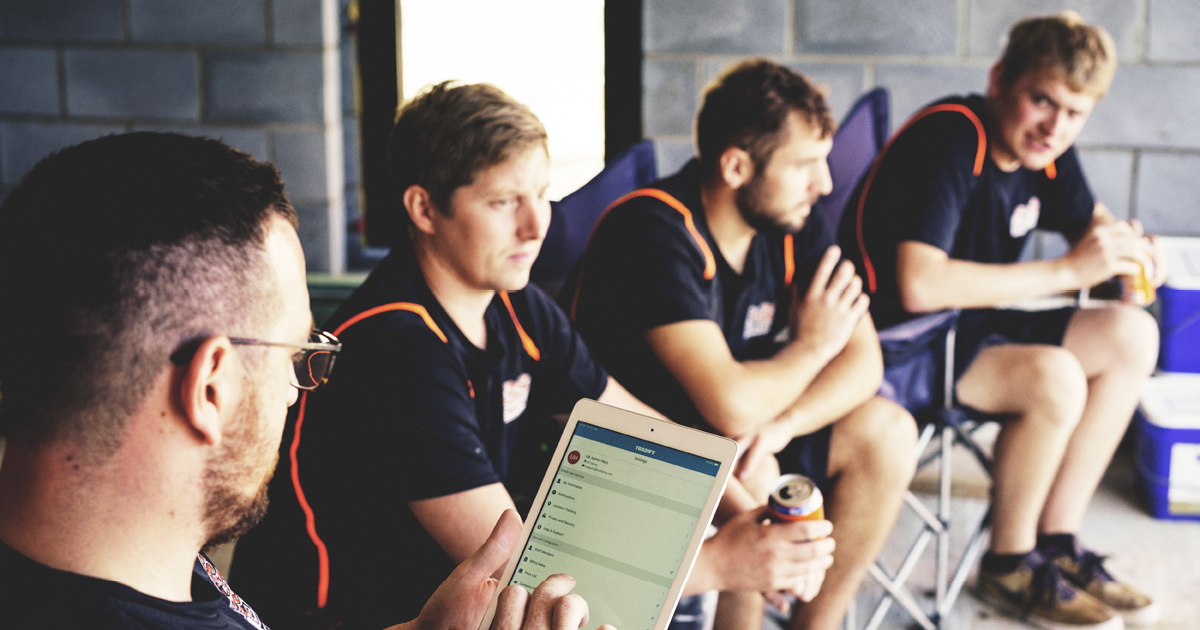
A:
(1168, 445)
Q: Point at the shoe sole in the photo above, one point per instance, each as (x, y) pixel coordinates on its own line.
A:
(1146, 616)
(1116, 623)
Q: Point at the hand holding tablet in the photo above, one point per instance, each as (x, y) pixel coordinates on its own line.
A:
(622, 509)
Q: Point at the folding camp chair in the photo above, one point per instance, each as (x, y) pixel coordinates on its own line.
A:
(919, 355)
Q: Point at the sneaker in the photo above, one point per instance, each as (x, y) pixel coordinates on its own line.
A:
(1039, 594)
(1086, 571)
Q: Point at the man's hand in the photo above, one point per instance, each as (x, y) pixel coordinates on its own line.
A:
(831, 307)
(751, 554)
(1108, 248)
(461, 601)
(760, 447)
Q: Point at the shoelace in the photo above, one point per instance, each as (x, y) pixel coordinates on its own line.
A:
(1091, 567)
(1048, 586)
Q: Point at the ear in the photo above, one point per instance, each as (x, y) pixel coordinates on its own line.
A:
(211, 388)
(419, 206)
(995, 80)
(736, 167)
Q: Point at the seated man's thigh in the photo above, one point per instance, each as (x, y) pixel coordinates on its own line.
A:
(1014, 378)
(880, 435)
(1123, 336)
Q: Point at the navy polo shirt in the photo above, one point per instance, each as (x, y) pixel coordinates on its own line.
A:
(936, 183)
(412, 411)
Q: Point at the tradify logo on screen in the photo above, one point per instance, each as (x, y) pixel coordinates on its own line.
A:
(618, 518)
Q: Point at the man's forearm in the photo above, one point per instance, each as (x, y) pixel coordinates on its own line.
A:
(849, 380)
(930, 281)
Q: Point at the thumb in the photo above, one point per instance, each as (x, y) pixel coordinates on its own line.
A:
(495, 551)
(750, 460)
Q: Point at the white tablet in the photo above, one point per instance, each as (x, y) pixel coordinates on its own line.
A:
(622, 509)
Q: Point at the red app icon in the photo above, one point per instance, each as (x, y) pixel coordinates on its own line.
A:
(573, 457)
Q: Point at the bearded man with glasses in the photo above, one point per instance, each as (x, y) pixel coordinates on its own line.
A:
(153, 286)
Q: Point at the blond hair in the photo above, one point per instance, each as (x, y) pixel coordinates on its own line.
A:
(1084, 53)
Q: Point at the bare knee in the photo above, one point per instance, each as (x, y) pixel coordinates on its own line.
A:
(1053, 387)
(1120, 339)
(1135, 337)
(879, 436)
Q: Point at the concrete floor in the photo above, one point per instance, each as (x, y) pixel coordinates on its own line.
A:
(1161, 557)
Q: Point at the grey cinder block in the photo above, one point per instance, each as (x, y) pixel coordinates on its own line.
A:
(989, 22)
(910, 27)
(61, 20)
(1149, 106)
(1168, 187)
(23, 144)
(300, 156)
(314, 233)
(131, 83)
(731, 26)
(1172, 30)
(912, 87)
(203, 21)
(1110, 176)
(28, 81)
(279, 87)
(296, 22)
(670, 155)
(844, 82)
(252, 140)
(669, 97)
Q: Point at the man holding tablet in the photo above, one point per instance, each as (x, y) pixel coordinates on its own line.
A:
(717, 298)
(158, 286)
(406, 453)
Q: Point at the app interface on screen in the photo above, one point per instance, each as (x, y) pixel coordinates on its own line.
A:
(618, 519)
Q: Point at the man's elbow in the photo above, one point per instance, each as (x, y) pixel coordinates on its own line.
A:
(918, 297)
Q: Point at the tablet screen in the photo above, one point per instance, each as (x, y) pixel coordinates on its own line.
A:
(618, 518)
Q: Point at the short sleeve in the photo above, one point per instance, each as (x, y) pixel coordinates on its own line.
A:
(1068, 201)
(409, 400)
(644, 269)
(567, 369)
(929, 178)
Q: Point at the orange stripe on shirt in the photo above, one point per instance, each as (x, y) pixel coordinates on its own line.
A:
(530, 348)
(710, 263)
(310, 518)
(980, 154)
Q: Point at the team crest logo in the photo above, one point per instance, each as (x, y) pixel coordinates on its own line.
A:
(1025, 217)
(758, 320)
(516, 396)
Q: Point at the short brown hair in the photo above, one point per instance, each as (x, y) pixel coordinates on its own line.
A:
(1084, 53)
(449, 132)
(747, 107)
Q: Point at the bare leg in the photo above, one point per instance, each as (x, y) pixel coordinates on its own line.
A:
(743, 610)
(1045, 388)
(871, 463)
(1117, 348)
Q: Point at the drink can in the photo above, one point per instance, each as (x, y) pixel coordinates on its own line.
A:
(796, 498)
(1138, 288)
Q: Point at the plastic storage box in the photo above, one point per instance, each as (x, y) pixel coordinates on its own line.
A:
(1179, 307)
(1168, 445)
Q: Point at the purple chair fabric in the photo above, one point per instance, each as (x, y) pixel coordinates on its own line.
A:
(861, 135)
(571, 219)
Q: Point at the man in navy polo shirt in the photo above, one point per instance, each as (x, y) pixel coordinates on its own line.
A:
(939, 222)
(717, 298)
(405, 460)
(157, 282)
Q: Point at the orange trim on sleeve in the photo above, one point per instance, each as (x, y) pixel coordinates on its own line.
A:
(530, 348)
(980, 154)
(710, 263)
(310, 518)
(789, 259)
(1051, 170)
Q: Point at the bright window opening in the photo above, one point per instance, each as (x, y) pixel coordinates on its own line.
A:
(548, 54)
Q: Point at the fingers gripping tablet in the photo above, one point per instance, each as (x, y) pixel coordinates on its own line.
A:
(622, 509)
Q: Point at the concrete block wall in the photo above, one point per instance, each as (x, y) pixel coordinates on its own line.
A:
(1141, 147)
(263, 75)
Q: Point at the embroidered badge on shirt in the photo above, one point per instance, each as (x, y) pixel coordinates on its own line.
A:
(758, 320)
(1025, 217)
(516, 396)
(235, 602)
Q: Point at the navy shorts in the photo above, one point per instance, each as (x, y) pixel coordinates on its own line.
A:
(808, 455)
(982, 328)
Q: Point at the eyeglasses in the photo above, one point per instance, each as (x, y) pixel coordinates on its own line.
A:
(312, 363)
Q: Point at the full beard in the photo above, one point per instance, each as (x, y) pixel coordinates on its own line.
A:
(229, 512)
(752, 204)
